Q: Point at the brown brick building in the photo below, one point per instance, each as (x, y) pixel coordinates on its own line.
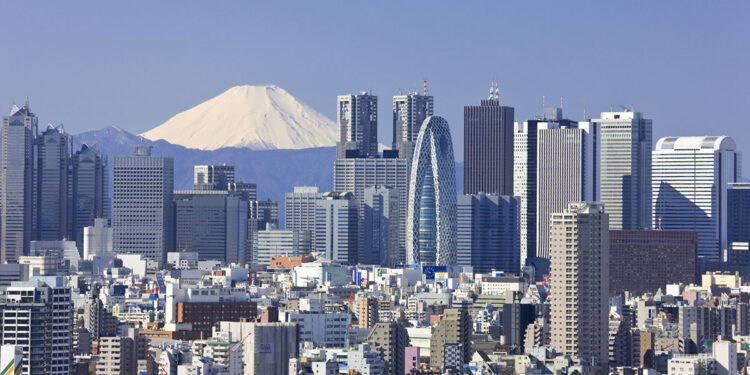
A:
(646, 260)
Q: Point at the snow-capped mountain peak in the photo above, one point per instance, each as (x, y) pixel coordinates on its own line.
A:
(255, 117)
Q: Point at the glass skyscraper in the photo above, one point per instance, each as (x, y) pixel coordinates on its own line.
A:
(431, 218)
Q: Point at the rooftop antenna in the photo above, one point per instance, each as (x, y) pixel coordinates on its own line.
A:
(543, 97)
(492, 91)
(561, 101)
(27, 102)
(611, 108)
(424, 89)
(497, 91)
(584, 113)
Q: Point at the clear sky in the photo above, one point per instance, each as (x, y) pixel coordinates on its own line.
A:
(685, 64)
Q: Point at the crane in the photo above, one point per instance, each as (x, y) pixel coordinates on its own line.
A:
(236, 346)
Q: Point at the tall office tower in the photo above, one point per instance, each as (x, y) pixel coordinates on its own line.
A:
(300, 207)
(487, 235)
(358, 126)
(389, 340)
(354, 175)
(246, 190)
(264, 212)
(738, 212)
(90, 191)
(431, 218)
(336, 223)
(625, 173)
(579, 250)
(453, 332)
(409, 112)
(212, 223)
(212, 177)
(566, 172)
(39, 318)
(689, 188)
(142, 218)
(16, 182)
(488, 148)
(525, 173)
(381, 226)
(53, 219)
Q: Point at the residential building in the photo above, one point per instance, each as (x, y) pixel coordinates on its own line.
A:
(454, 328)
(357, 117)
(487, 233)
(488, 148)
(689, 187)
(365, 361)
(431, 207)
(142, 217)
(116, 356)
(579, 250)
(367, 312)
(625, 143)
(390, 340)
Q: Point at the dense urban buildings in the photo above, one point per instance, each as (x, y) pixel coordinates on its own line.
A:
(357, 117)
(488, 148)
(16, 177)
(409, 112)
(487, 232)
(646, 260)
(142, 204)
(431, 212)
(579, 252)
(625, 169)
(689, 188)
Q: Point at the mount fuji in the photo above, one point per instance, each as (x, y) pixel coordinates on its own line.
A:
(254, 117)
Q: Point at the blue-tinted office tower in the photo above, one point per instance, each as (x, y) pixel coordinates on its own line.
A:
(381, 226)
(738, 212)
(431, 218)
(488, 232)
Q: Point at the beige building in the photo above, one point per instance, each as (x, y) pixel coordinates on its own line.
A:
(389, 340)
(579, 255)
(454, 329)
(367, 312)
(116, 356)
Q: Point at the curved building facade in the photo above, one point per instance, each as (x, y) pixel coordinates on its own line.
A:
(431, 220)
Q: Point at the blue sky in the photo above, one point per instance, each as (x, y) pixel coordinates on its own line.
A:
(684, 64)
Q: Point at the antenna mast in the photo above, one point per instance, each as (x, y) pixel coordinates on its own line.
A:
(424, 89)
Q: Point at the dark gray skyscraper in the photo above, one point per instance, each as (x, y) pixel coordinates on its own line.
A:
(488, 148)
(90, 192)
(53, 219)
(381, 226)
(212, 177)
(16, 182)
(409, 112)
(487, 232)
(357, 117)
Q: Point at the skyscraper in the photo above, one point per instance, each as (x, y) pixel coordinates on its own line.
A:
(246, 190)
(488, 148)
(625, 169)
(689, 188)
(264, 212)
(53, 219)
(381, 226)
(16, 182)
(579, 250)
(300, 207)
(409, 112)
(212, 177)
(337, 227)
(525, 173)
(357, 117)
(431, 218)
(738, 212)
(142, 204)
(566, 172)
(354, 175)
(273, 242)
(90, 192)
(487, 232)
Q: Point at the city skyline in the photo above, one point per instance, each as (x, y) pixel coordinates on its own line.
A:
(161, 82)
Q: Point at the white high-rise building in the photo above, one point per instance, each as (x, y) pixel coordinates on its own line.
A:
(357, 117)
(567, 171)
(39, 318)
(579, 308)
(431, 218)
(300, 206)
(142, 204)
(97, 239)
(625, 169)
(337, 227)
(689, 188)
